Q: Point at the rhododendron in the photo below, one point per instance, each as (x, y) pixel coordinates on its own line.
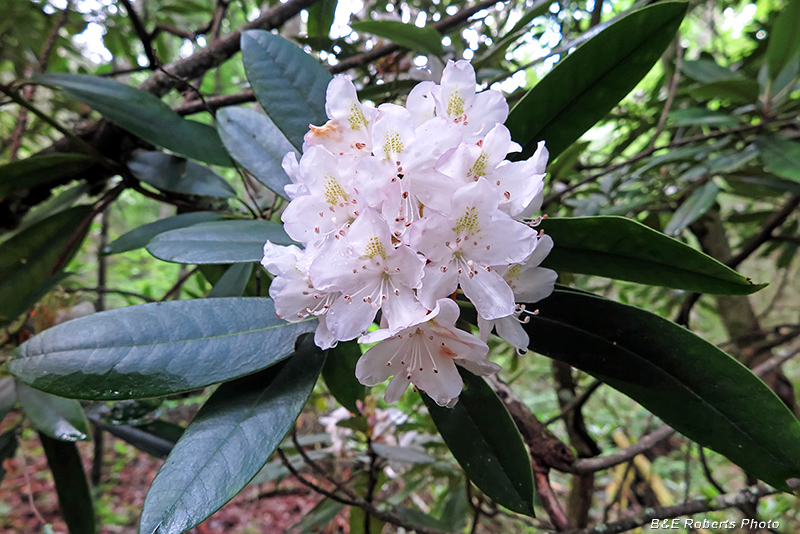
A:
(396, 209)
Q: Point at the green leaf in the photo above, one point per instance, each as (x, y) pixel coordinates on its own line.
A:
(289, 84)
(228, 442)
(143, 115)
(320, 18)
(701, 116)
(340, 375)
(240, 241)
(770, 182)
(737, 91)
(586, 85)
(74, 496)
(57, 417)
(619, 248)
(706, 71)
(257, 144)
(784, 43)
(319, 516)
(171, 173)
(141, 236)
(699, 202)
(425, 40)
(780, 156)
(233, 282)
(484, 440)
(402, 454)
(8, 448)
(8, 396)
(151, 350)
(27, 260)
(681, 378)
(38, 170)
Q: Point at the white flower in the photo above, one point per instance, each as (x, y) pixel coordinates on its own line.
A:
(425, 354)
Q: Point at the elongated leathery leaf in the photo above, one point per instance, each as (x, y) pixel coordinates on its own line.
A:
(686, 381)
(340, 375)
(484, 439)
(587, 84)
(424, 40)
(74, 496)
(57, 417)
(171, 173)
(28, 260)
(141, 236)
(158, 349)
(616, 247)
(38, 170)
(239, 241)
(228, 442)
(257, 144)
(143, 115)
(699, 202)
(289, 84)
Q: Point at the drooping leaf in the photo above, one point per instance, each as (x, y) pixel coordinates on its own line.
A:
(587, 84)
(699, 202)
(233, 282)
(623, 249)
(743, 91)
(239, 241)
(74, 496)
(339, 374)
(784, 43)
(289, 84)
(320, 18)
(28, 259)
(707, 71)
(484, 440)
(686, 381)
(8, 448)
(257, 144)
(401, 454)
(143, 115)
(701, 116)
(780, 156)
(8, 396)
(228, 442)
(424, 40)
(770, 182)
(152, 350)
(38, 170)
(171, 173)
(141, 236)
(57, 417)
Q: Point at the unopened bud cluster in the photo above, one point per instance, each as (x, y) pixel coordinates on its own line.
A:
(396, 208)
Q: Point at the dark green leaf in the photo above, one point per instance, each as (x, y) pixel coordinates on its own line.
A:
(706, 71)
(702, 116)
(484, 439)
(784, 43)
(8, 448)
(27, 260)
(141, 236)
(8, 396)
(233, 282)
(157, 349)
(619, 248)
(340, 375)
(586, 85)
(402, 454)
(240, 241)
(320, 18)
(143, 115)
(770, 182)
(74, 496)
(38, 170)
(699, 202)
(686, 381)
(59, 418)
(737, 91)
(289, 84)
(319, 516)
(780, 156)
(257, 144)
(171, 173)
(424, 40)
(228, 442)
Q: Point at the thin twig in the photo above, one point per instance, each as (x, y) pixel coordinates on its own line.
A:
(141, 32)
(672, 90)
(176, 288)
(591, 465)
(575, 403)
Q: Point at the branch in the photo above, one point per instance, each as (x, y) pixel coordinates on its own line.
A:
(141, 32)
(732, 500)
(591, 465)
(213, 103)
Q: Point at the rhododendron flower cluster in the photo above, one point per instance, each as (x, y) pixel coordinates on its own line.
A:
(398, 207)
